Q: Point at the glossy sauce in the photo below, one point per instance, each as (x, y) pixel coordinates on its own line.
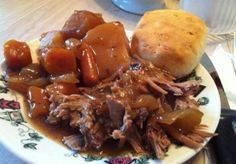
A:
(57, 132)
(54, 132)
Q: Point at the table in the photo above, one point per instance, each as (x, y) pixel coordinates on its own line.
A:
(27, 19)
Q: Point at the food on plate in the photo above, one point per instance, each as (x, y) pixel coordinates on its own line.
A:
(38, 101)
(110, 46)
(90, 84)
(51, 39)
(134, 107)
(31, 75)
(88, 66)
(17, 54)
(62, 88)
(58, 61)
(171, 39)
(79, 23)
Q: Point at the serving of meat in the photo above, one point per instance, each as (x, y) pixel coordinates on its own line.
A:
(87, 81)
(127, 108)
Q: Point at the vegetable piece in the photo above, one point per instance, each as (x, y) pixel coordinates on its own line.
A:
(88, 67)
(39, 82)
(181, 138)
(32, 71)
(31, 75)
(38, 102)
(110, 46)
(58, 61)
(79, 23)
(183, 119)
(51, 39)
(63, 88)
(17, 54)
(74, 45)
(21, 83)
(66, 78)
(18, 86)
(147, 101)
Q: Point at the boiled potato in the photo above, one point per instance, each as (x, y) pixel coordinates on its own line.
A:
(79, 23)
(110, 47)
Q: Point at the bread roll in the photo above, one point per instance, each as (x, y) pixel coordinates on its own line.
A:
(171, 39)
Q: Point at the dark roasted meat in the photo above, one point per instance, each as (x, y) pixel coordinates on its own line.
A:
(158, 140)
(125, 107)
(116, 111)
(79, 111)
(75, 142)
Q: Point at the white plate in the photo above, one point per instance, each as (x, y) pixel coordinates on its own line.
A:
(34, 147)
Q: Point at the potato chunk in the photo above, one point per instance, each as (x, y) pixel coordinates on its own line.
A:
(110, 46)
(79, 23)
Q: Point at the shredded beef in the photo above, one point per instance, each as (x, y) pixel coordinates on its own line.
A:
(109, 111)
(75, 142)
(78, 109)
(158, 140)
(116, 111)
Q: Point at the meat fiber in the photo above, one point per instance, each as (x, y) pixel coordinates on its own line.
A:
(124, 108)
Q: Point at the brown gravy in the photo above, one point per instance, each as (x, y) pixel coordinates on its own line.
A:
(57, 132)
(54, 132)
